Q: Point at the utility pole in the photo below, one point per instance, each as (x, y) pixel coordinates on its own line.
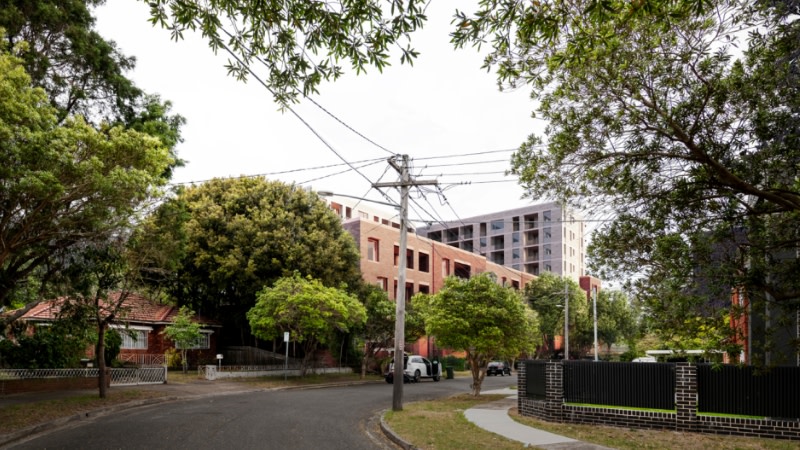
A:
(566, 319)
(594, 306)
(400, 301)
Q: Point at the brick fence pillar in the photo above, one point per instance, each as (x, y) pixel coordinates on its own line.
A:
(685, 397)
(554, 390)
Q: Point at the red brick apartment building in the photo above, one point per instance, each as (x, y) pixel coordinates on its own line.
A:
(429, 263)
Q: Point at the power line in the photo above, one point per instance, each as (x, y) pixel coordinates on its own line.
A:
(460, 155)
(466, 163)
(314, 102)
(295, 113)
(282, 172)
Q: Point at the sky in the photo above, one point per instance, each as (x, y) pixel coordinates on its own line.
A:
(444, 106)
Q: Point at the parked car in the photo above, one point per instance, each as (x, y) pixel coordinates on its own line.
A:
(415, 368)
(501, 368)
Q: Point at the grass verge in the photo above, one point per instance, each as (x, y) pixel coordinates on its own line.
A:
(440, 425)
(17, 417)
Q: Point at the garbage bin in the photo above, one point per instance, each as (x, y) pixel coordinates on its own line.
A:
(449, 373)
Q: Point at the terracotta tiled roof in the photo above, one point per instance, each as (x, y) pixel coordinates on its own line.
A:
(135, 309)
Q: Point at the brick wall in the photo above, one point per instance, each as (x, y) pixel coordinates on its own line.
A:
(685, 417)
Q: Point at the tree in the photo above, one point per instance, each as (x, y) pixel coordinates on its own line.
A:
(242, 234)
(480, 317)
(378, 330)
(546, 295)
(301, 42)
(63, 184)
(616, 319)
(308, 310)
(184, 332)
(99, 279)
(682, 131)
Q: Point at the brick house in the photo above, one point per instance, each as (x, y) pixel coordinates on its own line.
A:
(143, 322)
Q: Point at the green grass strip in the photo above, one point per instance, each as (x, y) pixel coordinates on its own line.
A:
(627, 408)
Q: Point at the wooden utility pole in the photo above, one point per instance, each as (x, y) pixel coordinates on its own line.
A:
(404, 184)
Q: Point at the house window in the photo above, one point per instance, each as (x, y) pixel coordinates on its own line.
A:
(424, 262)
(203, 342)
(133, 339)
(383, 282)
(373, 250)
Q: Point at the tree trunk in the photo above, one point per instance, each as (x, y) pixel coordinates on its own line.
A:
(477, 374)
(184, 361)
(100, 354)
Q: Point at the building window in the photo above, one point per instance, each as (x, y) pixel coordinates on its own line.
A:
(424, 262)
(445, 267)
(423, 289)
(396, 255)
(383, 283)
(133, 339)
(409, 259)
(203, 342)
(373, 250)
(515, 284)
(363, 214)
(497, 225)
(348, 212)
(462, 270)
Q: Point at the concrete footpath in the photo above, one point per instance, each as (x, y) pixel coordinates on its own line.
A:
(494, 417)
(491, 416)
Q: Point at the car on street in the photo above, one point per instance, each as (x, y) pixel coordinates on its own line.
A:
(501, 368)
(415, 368)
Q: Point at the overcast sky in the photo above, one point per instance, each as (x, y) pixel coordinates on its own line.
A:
(444, 105)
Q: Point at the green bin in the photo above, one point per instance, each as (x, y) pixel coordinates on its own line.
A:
(449, 373)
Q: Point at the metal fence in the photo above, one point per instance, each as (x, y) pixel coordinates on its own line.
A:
(143, 360)
(535, 379)
(119, 377)
(638, 385)
(744, 391)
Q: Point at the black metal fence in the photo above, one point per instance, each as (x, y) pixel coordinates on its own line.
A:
(637, 385)
(535, 379)
(745, 391)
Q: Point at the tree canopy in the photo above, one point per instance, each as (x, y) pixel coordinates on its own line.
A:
(309, 311)
(546, 295)
(481, 318)
(239, 235)
(63, 183)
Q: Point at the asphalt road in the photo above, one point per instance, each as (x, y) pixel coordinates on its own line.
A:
(328, 418)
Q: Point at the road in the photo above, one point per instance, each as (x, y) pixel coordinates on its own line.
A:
(328, 418)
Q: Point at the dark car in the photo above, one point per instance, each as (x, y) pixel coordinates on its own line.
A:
(501, 368)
